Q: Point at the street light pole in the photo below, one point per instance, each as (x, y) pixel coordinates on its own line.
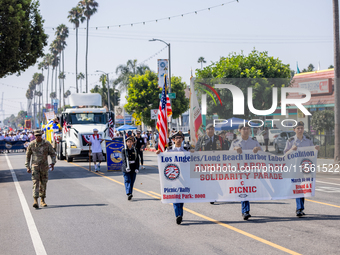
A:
(108, 89)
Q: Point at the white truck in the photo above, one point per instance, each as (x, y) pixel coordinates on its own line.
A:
(78, 124)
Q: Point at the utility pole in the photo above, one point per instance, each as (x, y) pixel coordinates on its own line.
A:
(336, 81)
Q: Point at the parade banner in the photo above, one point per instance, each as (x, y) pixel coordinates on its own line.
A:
(228, 176)
(12, 145)
(162, 67)
(113, 154)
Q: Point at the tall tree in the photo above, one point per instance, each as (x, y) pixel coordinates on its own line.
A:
(201, 60)
(22, 36)
(131, 69)
(81, 77)
(75, 17)
(48, 63)
(310, 68)
(61, 33)
(143, 95)
(256, 70)
(89, 8)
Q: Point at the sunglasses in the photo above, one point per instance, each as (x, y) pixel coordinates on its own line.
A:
(37, 135)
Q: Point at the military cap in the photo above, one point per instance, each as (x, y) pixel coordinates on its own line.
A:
(243, 125)
(37, 132)
(210, 126)
(179, 133)
(300, 123)
(130, 138)
(94, 130)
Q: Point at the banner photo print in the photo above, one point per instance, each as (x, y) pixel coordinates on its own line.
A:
(211, 176)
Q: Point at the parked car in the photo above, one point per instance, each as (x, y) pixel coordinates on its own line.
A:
(281, 140)
(273, 133)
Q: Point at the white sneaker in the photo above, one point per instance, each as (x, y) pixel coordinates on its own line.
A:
(95, 168)
(143, 167)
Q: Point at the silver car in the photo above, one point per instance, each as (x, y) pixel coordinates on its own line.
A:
(281, 140)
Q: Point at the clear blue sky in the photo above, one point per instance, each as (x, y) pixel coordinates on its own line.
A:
(290, 30)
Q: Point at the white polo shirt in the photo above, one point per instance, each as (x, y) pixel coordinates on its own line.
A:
(95, 146)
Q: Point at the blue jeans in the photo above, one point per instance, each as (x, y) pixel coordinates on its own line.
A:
(178, 207)
(129, 180)
(300, 203)
(245, 206)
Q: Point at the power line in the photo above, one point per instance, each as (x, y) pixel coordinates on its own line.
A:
(131, 24)
(12, 86)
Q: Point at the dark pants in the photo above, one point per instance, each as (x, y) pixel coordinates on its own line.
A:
(178, 207)
(300, 203)
(245, 206)
(129, 180)
(140, 153)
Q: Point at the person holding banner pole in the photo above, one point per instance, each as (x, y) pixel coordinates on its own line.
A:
(178, 137)
(245, 143)
(299, 140)
(130, 166)
(95, 141)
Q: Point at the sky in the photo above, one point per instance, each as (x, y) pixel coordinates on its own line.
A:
(291, 30)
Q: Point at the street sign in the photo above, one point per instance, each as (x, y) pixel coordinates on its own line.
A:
(138, 123)
(154, 114)
(171, 95)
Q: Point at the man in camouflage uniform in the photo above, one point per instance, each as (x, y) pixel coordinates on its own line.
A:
(39, 149)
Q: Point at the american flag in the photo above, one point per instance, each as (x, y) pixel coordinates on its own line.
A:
(65, 127)
(111, 129)
(164, 112)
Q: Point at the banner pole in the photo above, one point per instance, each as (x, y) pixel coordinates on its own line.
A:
(89, 157)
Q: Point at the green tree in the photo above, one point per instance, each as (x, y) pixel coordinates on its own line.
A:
(75, 17)
(323, 121)
(263, 72)
(143, 95)
(131, 69)
(181, 103)
(22, 35)
(102, 90)
(331, 66)
(89, 8)
(201, 60)
(310, 68)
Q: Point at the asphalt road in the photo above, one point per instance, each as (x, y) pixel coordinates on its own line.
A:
(88, 213)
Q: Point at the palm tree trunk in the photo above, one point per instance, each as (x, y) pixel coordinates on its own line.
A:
(39, 116)
(87, 49)
(63, 81)
(59, 81)
(77, 60)
(42, 91)
(52, 84)
(48, 76)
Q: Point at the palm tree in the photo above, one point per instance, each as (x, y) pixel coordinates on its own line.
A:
(76, 16)
(89, 8)
(47, 62)
(81, 77)
(41, 66)
(124, 72)
(61, 33)
(201, 60)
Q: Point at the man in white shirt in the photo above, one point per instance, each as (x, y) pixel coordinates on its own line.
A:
(97, 155)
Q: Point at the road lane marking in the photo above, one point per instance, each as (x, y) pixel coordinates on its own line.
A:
(337, 206)
(279, 247)
(329, 183)
(159, 195)
(35, 236)
(103, 175)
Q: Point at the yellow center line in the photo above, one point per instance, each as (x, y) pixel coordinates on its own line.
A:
(322, 203)
(159, 195)
(279, 247)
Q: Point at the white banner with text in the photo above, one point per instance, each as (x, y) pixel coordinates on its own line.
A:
(209, 176)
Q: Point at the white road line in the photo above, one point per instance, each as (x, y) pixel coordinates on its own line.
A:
(338, 184)
(37, 243)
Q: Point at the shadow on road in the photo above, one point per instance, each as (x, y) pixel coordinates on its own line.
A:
(266, 219)
(77, 205)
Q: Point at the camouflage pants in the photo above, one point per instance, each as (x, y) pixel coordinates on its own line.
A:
(40, 178)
